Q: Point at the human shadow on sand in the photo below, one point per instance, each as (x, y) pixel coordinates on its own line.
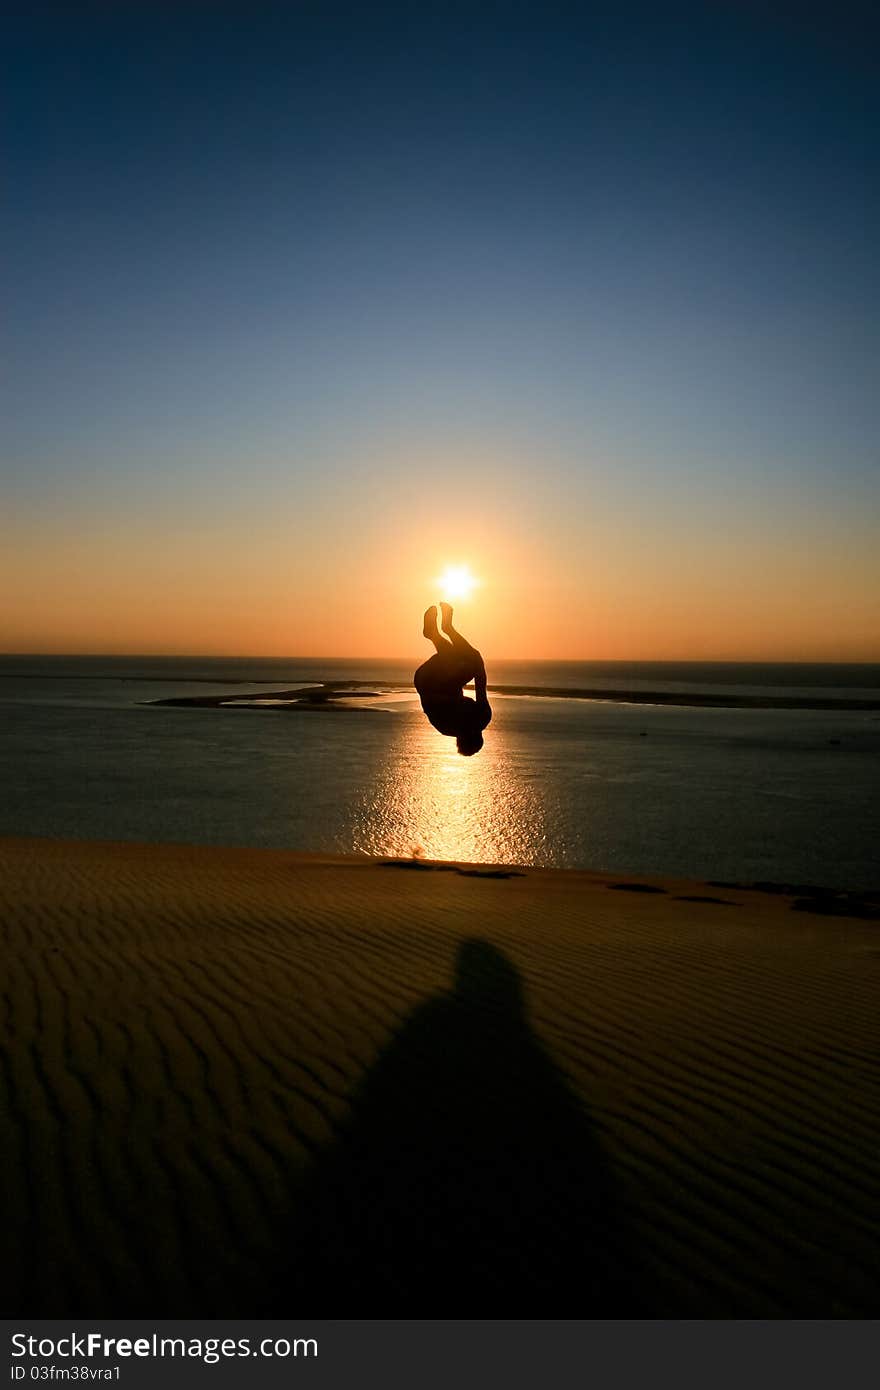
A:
(467, 1179)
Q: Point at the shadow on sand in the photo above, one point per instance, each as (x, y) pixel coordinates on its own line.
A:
(467, 1179)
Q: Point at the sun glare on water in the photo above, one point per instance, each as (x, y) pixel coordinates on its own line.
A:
(456, 582)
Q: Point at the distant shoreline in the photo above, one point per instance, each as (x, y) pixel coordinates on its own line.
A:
(326, 694)
(686, 697)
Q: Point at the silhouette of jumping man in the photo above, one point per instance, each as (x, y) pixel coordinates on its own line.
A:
(441, 679)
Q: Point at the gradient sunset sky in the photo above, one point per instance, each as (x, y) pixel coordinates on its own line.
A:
(305, 301)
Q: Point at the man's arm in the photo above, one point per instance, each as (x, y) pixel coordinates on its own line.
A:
(480, 688)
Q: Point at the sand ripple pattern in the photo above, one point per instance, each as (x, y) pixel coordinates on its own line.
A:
(246, 1082)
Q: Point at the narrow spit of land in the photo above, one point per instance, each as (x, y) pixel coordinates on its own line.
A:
(326, 695)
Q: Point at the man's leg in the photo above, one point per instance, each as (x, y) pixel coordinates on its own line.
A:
(432, 632)
(468, 659)
(446, 621)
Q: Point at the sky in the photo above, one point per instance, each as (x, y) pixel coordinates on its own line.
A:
(305, 301)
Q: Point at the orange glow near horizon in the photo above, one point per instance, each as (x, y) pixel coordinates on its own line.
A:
(255, 574)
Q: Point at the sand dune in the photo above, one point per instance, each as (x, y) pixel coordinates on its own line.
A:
(249, 1082)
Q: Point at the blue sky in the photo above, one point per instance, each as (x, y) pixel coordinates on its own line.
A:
(562, 267)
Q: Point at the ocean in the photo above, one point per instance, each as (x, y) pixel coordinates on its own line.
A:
(789, 795)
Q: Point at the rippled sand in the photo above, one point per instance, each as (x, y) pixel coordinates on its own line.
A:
(250, 1082)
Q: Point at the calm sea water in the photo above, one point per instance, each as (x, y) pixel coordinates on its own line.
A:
(787, 795)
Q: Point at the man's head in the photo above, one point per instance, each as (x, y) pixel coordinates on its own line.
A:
(469, 738)
(469, 742)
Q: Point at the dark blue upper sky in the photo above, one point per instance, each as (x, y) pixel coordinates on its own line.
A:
(636, 245)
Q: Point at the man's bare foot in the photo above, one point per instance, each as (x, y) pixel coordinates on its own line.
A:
(430, 626)
(446, 619)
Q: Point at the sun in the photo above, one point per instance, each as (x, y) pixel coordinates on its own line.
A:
(456, 582)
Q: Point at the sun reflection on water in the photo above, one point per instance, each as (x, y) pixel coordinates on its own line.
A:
(434, 803)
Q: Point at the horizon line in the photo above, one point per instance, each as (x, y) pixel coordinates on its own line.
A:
(550, 660)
